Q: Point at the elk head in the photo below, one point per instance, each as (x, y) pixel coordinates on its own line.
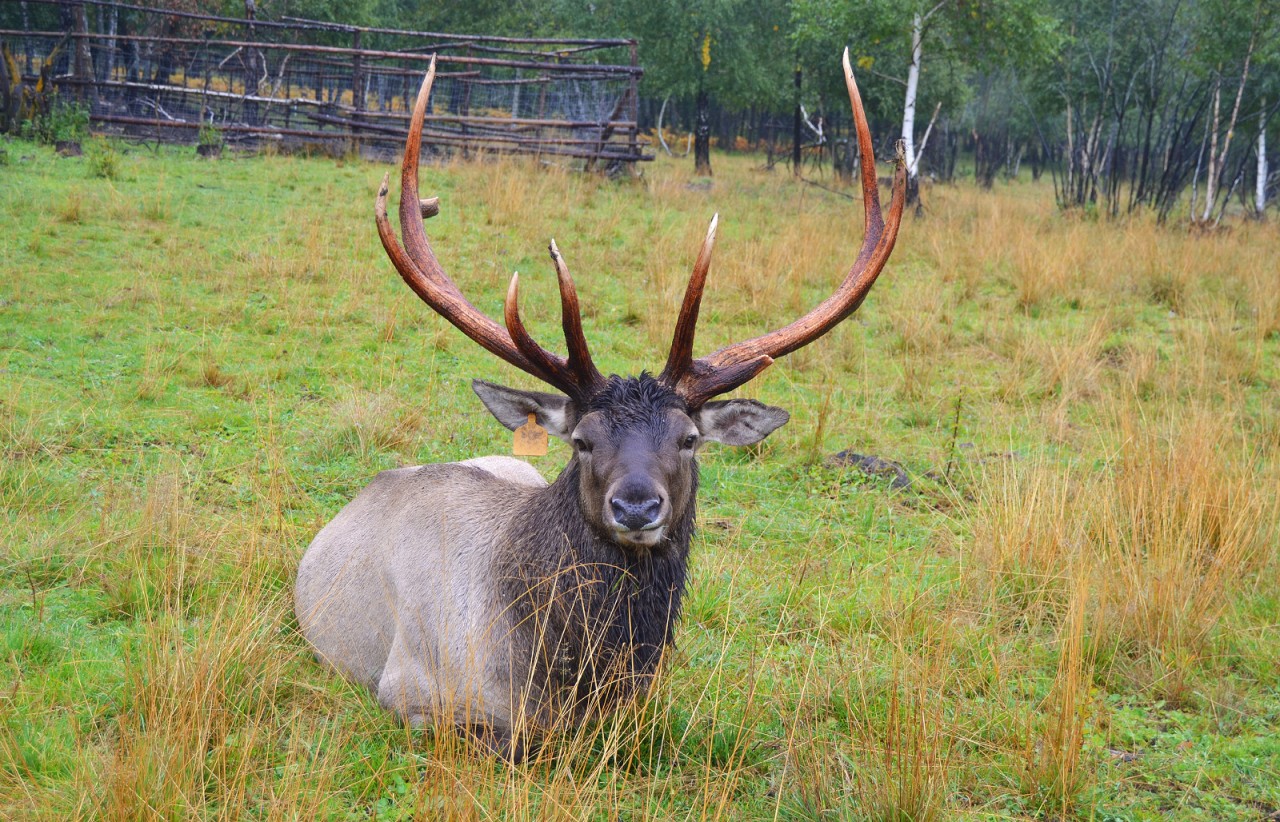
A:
(634, 439)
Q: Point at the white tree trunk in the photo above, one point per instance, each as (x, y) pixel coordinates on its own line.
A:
(1068, 186)
(924, 141)
(1260, 187)
(909, 106)
(1211, 173)
(661, 112)
(1231, 125)
(1195, 180)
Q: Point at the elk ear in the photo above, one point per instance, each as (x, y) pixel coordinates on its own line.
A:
(738, 422)
(512, 408)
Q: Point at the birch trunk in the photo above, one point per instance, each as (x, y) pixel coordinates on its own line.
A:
(1231, 125)
(909, 110)
(1069, 183)
(1260, 187)
(661, 139)
(1211, 172)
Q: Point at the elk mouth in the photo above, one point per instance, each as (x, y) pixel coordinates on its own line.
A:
(645, 537)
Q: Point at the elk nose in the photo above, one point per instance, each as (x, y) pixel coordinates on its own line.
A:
(636, 513)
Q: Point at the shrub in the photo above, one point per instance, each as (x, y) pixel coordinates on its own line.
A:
(64, 120)
(209, 135)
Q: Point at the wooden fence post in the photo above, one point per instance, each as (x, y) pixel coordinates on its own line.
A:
(633, 139)
(250, 66)
(466, 109)
(358, 101)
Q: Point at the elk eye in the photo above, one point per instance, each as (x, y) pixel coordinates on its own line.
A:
(689, 442)
(582, 445)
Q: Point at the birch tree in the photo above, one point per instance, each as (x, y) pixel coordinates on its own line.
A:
(918, 22)
(1218, 159)
(897, 42)
(1260, 183)
(1232, 35)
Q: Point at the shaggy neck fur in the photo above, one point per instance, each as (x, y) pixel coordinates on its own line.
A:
(597, 615)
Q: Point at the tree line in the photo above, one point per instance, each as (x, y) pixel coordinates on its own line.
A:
(1165, 106)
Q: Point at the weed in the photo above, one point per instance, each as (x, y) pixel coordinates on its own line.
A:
(370, 422)
(104, 159)
(157, 204)
(1055, 774)
(71, 209)
(212, 375)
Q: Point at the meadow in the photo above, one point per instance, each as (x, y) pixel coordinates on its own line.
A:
(1071, 612)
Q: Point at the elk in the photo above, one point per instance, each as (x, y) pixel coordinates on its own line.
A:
(475, 594)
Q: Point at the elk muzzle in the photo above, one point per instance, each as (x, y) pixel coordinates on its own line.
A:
(638, 511)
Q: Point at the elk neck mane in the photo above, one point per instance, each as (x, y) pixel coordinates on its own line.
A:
(593, 609)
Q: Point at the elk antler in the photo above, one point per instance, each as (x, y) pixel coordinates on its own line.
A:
(698, 380)
(575, 375)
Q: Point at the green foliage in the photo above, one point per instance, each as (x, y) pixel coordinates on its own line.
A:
(65, 120)
(209, 135)
(961, 40)
(746, 42)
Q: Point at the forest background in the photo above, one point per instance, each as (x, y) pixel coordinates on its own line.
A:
(1127, 106)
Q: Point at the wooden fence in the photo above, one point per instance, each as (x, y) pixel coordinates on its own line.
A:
(165, 74)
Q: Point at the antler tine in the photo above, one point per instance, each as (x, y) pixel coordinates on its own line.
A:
(576, 375)
(579, 362)
(867, 163)
(734, 365)
(681, 357)
(548, 363)
(417, 263)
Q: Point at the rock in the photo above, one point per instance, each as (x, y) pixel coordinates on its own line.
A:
(873, 467)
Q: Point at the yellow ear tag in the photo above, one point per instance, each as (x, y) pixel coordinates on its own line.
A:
(530, 439)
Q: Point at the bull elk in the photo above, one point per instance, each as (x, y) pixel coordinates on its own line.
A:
(476, 595)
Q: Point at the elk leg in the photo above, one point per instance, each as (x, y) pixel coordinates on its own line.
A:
(497, 741)
(405, 688)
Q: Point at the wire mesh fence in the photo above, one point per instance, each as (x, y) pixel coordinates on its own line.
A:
(167, 73)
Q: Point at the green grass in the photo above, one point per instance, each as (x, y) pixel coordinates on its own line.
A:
(201, 362)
